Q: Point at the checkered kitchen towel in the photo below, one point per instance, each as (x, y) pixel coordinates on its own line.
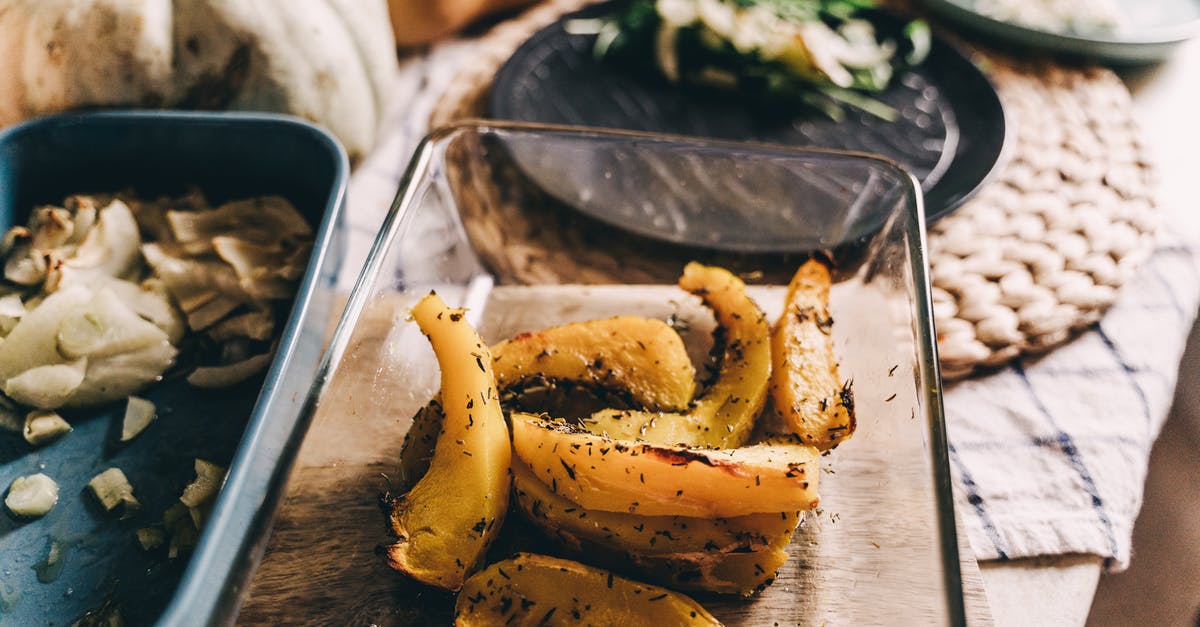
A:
(1050, 453)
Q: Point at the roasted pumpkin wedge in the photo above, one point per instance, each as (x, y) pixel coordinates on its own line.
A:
(739, 573)
(805, 387)
(642, 358)
(743, 574)
(658, 427)
(574, 526)
(723, 415)
(531, 589)
(446, 522)
(605, 474)
(420, 442)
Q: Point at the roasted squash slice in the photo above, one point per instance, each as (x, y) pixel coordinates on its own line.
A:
(723, 416)
(805, 387)
(446, 522)
(605, 474)
(737, 573)
(736, 555)
(743, 574)
(573, 526)
(530, 589)
(642, 359)
(419, 443)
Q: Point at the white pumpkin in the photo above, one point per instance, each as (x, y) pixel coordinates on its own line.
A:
(330, 61)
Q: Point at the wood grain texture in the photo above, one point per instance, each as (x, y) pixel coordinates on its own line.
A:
(864, 557)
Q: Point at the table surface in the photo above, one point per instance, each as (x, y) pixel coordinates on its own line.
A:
(1164, 98)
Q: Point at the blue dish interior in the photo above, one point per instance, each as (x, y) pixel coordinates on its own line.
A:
(227, 156)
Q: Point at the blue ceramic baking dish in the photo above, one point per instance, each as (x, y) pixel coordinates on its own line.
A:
(253, 427)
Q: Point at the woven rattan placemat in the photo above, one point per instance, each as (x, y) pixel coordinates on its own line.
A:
(1038, 254)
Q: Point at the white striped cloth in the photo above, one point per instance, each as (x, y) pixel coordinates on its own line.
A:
(1050, 453)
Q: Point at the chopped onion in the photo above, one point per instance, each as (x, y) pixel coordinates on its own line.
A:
(13, 238)
(178, 523)
(211, 312)
(152, 302)
(110, 248)
(113, 491)
(52, 227)
(150, 538)
(85, 218)
(195, 301)
(113, 378)
(250, 260)
(200, 514)
(184, 538)
(25, 266)
(34, 341)
(11, 306)
(256, 325)
(32, 496)
(221, 267)
(104, 327)
(205, 486)
(186, 277)
(46, 387)
(257, 264)
(260, 219)
(44, 426)
(222, 376)
(139, 413)
(175, 516)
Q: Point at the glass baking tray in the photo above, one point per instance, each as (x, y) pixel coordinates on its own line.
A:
(882, 547)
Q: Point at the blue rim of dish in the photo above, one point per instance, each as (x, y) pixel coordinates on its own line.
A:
(1147, 45)
(244, 509)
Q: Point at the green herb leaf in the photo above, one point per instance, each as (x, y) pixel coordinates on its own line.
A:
(921, 38)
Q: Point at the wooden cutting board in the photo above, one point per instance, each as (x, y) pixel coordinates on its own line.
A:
(321, 565)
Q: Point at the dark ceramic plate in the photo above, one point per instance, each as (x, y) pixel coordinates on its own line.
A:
(252, 428)
(1153, 30)
(951, 134)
